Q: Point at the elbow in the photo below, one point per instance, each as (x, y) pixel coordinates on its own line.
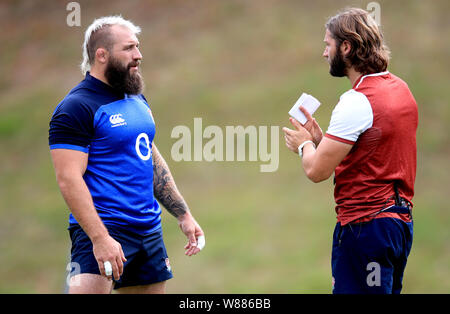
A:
(317, 176)
(66, 180)
(64, 183)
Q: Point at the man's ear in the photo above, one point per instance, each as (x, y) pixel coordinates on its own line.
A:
(345, 47)
(101, 55)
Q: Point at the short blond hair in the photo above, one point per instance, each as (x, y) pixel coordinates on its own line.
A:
(97, 35)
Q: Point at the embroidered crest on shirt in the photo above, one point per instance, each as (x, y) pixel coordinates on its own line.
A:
(117, 120)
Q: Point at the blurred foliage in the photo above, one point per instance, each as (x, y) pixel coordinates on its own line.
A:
(230, 63)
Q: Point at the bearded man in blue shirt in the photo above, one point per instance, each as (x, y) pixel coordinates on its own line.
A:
(110, 172)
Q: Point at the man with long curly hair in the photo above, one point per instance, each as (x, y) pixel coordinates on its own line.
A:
(370, 145)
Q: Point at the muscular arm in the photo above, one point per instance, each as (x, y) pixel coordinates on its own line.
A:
(319, 164)
(166, 192)
(70, 166)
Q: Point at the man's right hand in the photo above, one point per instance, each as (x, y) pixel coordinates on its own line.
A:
(312, 126)
(106, 249)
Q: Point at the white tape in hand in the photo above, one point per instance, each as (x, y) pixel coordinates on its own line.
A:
(108, 268)
(201, 242)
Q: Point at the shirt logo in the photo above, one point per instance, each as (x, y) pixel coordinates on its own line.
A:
(117, 120)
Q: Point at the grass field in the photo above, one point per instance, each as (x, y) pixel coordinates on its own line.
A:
(229, 63)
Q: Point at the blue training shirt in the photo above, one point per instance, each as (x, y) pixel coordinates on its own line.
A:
(117, 132)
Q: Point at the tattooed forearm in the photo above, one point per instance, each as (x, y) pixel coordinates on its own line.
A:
(164, 187)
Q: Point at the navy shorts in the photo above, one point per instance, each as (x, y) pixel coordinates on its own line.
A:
(370, 257)
(147, 260)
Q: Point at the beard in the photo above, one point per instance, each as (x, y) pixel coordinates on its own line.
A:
(121, 79)
(338, 67)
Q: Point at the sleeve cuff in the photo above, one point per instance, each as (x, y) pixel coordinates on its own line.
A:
(339, 139)
(70, 146)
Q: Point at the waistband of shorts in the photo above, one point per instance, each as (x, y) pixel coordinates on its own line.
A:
(120, 229)
(398, 212)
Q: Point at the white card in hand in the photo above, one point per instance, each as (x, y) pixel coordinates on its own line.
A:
(306, 101)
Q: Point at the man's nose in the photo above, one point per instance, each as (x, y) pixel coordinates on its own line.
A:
(137, 54)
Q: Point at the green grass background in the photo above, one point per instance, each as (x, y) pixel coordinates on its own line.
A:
(230, 63)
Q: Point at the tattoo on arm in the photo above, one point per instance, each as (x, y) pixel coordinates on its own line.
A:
(164, 187)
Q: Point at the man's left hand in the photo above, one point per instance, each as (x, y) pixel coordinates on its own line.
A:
(295, 137)
(192, 230)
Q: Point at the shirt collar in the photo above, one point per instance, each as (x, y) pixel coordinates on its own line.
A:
(362, 77)
(99, 84)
